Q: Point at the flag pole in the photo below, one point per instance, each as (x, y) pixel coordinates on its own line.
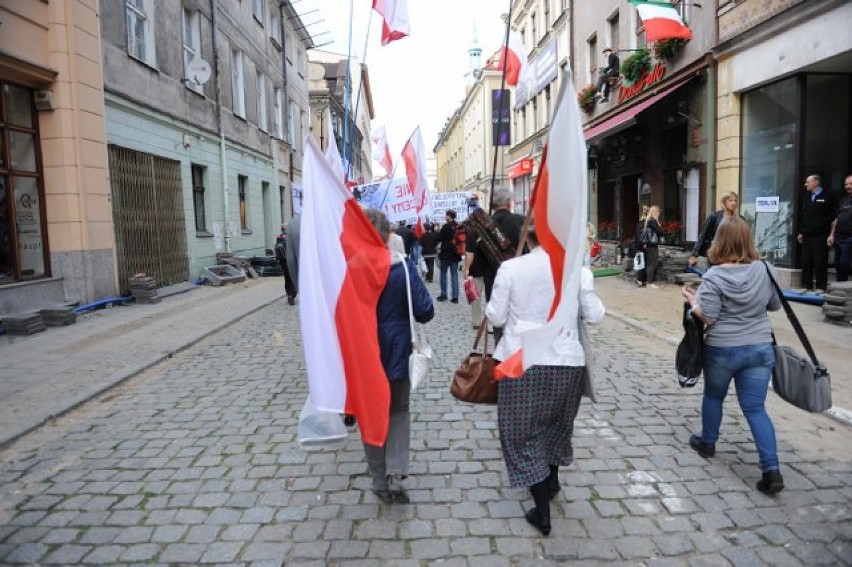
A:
(347, 90)
(504, 54)
(364, 61)
(390, 180)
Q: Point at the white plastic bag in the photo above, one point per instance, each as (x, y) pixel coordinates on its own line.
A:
(421, 265)
(419, 362)
(320, 429)
(639, 261)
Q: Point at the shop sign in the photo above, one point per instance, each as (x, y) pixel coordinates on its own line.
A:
(541, 71)
(649, 79)
(523, 167)
(767, 204)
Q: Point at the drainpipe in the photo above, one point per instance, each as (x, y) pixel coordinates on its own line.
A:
(220, 126)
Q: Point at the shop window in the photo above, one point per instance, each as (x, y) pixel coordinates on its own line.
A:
(242, 187)
(23, 246)
(827, 145)
(198, 203)
(140, 31)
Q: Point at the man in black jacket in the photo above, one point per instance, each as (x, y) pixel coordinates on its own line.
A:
(608, 73)
(407, 236)
(841, 234)
(814, 228)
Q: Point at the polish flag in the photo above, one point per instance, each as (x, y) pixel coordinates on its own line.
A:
(343, 266)
(381, 151)
(332, 154)
(395, 16)
(414, 158)
(514, 58)
(661, 21)
(559, 209)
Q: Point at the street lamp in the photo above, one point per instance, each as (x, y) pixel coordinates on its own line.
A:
(320, 112)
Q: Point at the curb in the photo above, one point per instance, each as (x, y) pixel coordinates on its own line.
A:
(841, 415)
(122, 376)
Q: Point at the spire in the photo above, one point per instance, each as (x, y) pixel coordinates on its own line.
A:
(475, 53)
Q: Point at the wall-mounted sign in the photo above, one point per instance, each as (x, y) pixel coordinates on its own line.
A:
(649, 79)
(542, 71)
(523, 167)
(767, 204)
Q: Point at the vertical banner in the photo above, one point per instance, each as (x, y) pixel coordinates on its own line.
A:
(501, 114)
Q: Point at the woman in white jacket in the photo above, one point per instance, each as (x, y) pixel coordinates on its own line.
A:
(536, 411)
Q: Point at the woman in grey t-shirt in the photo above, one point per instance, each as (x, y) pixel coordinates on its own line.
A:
(733, 299)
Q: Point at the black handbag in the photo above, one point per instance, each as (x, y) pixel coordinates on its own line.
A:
(689, 357)
(799, 380)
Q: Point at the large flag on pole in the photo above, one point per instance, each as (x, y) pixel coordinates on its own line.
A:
(661, 21)
(343, 266)
(514, 58)
(395, 15)
(559, 205)
(332, 154)
(381, 151)
(414, 158)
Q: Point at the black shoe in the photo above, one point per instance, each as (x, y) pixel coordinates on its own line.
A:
(442, 298)
(291, 300)
(532, 518)
(397, 490)
(348, 420)
(706, 450)
(553, 486)
(384, 495)
(605, 99)
(454, 300)
(771, 483)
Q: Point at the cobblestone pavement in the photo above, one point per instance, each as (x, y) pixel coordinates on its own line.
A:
(196, 461)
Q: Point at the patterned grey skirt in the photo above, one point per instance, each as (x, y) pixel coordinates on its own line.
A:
(535, 414)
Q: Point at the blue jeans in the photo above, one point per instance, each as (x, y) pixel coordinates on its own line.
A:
(453, 266)
(843, 257)
(750, 367)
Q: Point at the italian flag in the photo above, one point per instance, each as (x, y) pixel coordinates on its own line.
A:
(661, 21)
(343, 267)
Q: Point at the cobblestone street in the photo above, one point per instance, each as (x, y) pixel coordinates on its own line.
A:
(196, 461)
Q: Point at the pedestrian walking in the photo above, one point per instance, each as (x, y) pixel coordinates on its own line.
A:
(281, 256)
(449, 258)
(429, 248)
(729, 202)
(814, 229)
(648, 237)
(388, 464)
(841, 234)
(535, 413)
(733, 299)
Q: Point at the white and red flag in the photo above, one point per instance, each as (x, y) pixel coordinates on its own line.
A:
(661, 21)
(381, 151)
(559, 205)
(414, 158)
(343, 266)
(395, 19)
(514, 58)
(332, 154)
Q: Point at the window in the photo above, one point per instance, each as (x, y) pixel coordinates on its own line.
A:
(547, 14)
(682, 8)
(592, 54)
(261, 102)
(242, 185)
(191, 35)
(198, 197)
(612, 32)
(304, 124)
(533, 29)
(291, 124)
(548, 106)
(238, 87)
(640, 32)
(140, 31)
(282, 200)
(257, 10)
(275, 24)
(279, 114)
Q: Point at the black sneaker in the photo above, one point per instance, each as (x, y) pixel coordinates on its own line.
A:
(706, 450)
(455, 300)
(442, 298)
(771, 483)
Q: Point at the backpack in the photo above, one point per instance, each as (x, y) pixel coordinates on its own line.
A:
(493, 242)
(459, 240)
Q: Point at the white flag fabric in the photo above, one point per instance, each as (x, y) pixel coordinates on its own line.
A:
(395, 19)
(414, 158)
(381, 151)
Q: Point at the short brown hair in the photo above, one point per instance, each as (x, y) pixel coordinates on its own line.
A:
(733, 243)
(726, 196)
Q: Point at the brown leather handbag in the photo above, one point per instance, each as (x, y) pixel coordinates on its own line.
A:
(473, 380)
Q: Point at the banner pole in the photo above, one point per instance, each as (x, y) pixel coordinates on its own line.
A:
(504, 56)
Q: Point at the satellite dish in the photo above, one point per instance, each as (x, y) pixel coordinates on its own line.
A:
(198, 71)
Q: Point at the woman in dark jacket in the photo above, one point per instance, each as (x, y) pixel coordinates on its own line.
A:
(389, 464)
(648, 245)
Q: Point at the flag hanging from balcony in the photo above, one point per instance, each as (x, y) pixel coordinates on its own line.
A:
(514, 58)
(661, 21)
(395, 16)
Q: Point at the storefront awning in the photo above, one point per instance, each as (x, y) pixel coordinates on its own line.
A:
(628, 117)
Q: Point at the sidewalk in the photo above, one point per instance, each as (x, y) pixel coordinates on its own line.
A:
(45, 375)
(660, 312)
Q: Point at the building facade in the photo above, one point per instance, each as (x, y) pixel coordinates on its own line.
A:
(653, 141)
(206, 106)
(785, 110)
(56, 234)
(329, 117)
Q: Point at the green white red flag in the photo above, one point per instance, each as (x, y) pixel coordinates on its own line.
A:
(661, 21)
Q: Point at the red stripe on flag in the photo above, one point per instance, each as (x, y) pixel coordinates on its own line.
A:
(512, 62)
(367, 267)
(543, 231)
